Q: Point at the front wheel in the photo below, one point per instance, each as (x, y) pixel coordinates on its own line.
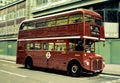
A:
(75, 70)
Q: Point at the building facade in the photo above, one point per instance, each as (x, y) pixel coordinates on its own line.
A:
(5, 2)
(12, 14)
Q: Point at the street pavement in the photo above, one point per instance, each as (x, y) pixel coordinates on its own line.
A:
(110, 69)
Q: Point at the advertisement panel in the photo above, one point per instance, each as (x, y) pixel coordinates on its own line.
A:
(111, 30)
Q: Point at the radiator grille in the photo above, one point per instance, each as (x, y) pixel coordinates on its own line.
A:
(97, 64)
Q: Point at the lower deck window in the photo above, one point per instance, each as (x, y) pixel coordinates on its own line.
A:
(47, 46)
(60, 46)
(34, 46)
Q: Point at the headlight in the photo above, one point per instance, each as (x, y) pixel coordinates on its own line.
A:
(87, 63)
(103, 62)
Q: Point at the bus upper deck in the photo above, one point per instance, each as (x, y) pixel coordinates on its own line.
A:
(80, 23)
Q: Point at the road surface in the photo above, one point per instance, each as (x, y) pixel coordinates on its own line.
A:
(14, 73)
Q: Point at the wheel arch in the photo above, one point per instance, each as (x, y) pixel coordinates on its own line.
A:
(72, 62)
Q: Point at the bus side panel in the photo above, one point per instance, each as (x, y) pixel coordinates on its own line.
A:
(21, 54)
(20, 58)
(38, 57)
(58, 60)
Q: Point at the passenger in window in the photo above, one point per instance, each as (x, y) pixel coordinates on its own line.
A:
(61, 49)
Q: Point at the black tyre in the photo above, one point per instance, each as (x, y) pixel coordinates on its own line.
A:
(75, 70)
(28, 63)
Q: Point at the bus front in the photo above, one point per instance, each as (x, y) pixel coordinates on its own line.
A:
(93, 32)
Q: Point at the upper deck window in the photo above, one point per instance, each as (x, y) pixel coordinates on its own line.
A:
(75, 18)
(40, 24)
(25, 26)
(50, 22)
(89, 19)
(62, 20)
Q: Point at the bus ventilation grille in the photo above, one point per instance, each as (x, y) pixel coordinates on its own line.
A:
(97, 64)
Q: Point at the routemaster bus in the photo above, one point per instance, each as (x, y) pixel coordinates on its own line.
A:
(64, 41)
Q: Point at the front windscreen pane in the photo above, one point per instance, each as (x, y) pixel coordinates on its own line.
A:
(98, 21)
(90, 46)
(89, 19)
(75, 18)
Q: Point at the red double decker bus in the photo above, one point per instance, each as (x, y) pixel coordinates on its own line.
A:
(63, 41)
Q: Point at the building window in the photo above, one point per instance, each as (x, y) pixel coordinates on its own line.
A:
(10, 15)
(1, 31)
(11, 29)
(41, 2)
(1, 1)
(55, 0)
(20, 13)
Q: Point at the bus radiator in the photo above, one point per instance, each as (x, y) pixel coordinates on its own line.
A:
(97, 64)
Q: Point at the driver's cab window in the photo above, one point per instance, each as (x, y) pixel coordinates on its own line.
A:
(89, 19)
(76, 18)
(90, 46)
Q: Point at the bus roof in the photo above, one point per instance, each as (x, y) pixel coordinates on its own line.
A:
(87, 11)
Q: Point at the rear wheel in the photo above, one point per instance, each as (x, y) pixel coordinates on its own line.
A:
(75, 70)
(28, 63)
